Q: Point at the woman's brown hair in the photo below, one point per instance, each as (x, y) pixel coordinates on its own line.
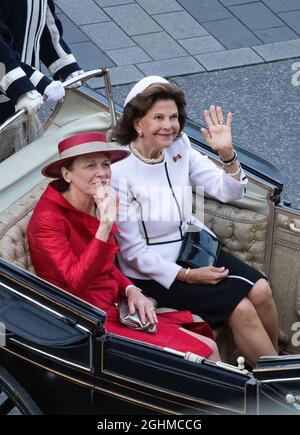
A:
(124, 132)
(61, 184)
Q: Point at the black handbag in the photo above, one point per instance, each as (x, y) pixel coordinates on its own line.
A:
(198, 249)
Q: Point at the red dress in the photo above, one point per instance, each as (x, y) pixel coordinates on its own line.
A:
(65, 252)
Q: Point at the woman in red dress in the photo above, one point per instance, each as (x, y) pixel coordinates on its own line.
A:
(72, 245)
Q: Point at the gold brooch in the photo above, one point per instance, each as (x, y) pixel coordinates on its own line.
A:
(178, 157)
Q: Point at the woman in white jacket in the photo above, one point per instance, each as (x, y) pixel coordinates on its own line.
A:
(156, 207)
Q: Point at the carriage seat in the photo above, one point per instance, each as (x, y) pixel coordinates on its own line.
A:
(13, 228)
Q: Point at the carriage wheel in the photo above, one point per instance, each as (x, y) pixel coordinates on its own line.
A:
(14, 400)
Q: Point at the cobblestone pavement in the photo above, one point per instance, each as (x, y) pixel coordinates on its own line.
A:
(142, 37)
(241, 54)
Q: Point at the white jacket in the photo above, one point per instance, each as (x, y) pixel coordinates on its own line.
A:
(156, 207)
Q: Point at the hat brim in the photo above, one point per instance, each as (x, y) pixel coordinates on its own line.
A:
(53, 169)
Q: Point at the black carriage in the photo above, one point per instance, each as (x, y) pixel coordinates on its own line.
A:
(55, 354)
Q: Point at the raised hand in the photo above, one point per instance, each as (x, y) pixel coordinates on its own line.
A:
(107, 201)
(218, 132)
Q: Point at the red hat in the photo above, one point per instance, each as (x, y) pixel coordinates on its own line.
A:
(81, 144)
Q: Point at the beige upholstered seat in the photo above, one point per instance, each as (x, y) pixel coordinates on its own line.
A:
(13, 227)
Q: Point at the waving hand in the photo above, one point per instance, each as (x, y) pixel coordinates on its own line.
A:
(218, 132)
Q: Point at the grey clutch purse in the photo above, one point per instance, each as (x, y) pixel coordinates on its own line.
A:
(133, 320)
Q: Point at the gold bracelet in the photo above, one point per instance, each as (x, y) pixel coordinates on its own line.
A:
(186, 274)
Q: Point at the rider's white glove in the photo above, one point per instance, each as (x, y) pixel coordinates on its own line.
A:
(54, 92)
(31, 101)
(74, 74)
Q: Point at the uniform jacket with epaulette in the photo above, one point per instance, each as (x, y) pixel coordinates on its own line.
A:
(30, 33)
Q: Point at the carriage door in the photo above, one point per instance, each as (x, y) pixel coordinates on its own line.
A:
(285, 274)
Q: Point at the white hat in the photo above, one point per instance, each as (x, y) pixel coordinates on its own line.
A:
(143, 84)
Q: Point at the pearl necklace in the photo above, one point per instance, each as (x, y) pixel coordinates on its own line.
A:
(144, 159)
